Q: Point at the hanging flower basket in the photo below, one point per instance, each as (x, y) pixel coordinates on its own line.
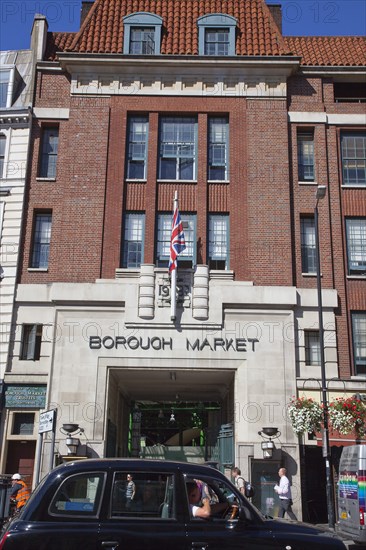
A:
(346, 415)
(305, 415)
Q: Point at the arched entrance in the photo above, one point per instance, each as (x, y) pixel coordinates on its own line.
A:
(172, 414)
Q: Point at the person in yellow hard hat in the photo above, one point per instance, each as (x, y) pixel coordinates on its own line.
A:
(19, 491)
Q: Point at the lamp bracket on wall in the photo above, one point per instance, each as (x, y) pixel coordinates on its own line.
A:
(267, 444)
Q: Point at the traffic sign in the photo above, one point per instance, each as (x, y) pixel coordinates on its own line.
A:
(46, 421)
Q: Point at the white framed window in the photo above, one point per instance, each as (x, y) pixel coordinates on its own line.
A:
(353, 153)
(305, 155)
(178, 148)
(187, 258)
(5, 88)
(218, 149)
(49, 152)
(217, 41)
(312, 347)
(142, 33)
(216, 34)
(308, 245)
(356, 245)
(133, 240)
(218, 241)
(2, 154)
(142, 41)
(359, 341)
(31, 342)
(41, 240)
(138, 127)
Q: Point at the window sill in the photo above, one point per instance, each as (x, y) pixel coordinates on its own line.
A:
(45, 179)
(353, 186)
(218, 181)
(356, 277)
(309, 274)
(137, 180)
(41, 269)
(312, 183)
(176, 181)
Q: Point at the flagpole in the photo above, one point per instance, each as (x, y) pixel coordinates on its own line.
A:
(173, 285)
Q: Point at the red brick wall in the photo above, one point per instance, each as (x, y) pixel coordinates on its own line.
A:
(263, 197)
(338, 204)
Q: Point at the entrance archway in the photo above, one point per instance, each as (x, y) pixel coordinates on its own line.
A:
(165, 413)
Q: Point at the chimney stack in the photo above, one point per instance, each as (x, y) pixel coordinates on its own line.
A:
(276, 12)
(85, 9)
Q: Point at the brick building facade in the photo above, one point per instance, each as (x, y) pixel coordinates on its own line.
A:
(213, 102)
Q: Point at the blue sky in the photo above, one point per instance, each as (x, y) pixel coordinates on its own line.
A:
(300, 18)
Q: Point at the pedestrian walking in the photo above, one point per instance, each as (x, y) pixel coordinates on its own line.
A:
(284, 492)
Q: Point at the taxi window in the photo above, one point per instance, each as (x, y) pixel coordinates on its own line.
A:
(143, 495)
(78, 496)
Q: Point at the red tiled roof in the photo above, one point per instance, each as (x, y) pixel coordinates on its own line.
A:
(328, 50)
(58, 42)
(257, 33)
(102, 30)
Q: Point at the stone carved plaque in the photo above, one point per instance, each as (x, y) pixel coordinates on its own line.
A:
(184, 290)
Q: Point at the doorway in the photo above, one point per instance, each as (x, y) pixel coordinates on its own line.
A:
(174, 429)
(264, 476)
(165, 413)
(20, 458)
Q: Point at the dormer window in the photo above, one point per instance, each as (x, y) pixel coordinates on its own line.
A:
(142, 34)
(216, 34)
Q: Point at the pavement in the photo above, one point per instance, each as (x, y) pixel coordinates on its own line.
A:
(350, 545)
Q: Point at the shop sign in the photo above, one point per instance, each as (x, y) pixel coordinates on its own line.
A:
(31, 397)
(162, 344)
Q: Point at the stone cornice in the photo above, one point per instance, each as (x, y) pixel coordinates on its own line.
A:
(17, 118)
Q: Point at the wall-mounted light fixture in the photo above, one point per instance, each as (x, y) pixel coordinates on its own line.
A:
(72, 442)
(268, 445)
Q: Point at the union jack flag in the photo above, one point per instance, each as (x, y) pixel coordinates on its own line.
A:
(177, 241)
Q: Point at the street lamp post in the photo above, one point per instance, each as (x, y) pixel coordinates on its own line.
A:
(320, 194)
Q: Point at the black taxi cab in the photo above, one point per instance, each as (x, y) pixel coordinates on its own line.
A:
(83, 504)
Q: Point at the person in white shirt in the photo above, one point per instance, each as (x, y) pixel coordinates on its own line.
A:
(284, 492)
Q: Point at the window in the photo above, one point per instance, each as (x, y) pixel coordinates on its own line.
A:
(353, 151)
(359, 341)
(154, 496)
(2, 154)
(356, 246)
(142, 41)
(178, 148)
(217, 42)
(312, 347)
(187, 258)
(218, 240)
(49, 150)
(23, 424)
(41, 240)
(218, 149)
(308, 245)
(137, 147)
(142, 34)
(79, 495)
(305, 155)
(133, 242)
(216, 34)
(4, 88)
(31, 343)
(350, 92)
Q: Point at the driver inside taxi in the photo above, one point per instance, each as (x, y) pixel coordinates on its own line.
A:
(199, 502)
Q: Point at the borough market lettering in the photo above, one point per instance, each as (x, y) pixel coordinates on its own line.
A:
(161, 344)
